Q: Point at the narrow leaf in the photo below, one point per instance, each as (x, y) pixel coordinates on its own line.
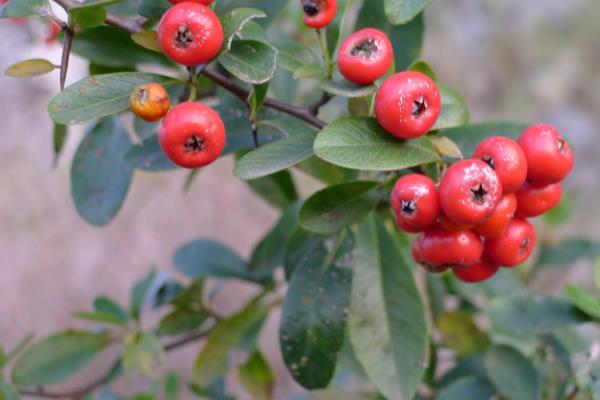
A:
(29, 68)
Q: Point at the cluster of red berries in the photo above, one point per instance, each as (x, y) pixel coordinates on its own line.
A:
(475, 220)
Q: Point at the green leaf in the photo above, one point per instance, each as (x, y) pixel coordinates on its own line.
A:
(310, 71)
(147, 39)
(99, 96)
(25, 8)
(257, 377)
(107, 305)
(148, 156)
(250, 61)
(22, 345)
(585, 301)
(403, 11)
(387, 324)
(172, 386)
(531, 315)
(270, 7)
(326, 172)
(253, 31)
(512, 374)
(360, 106)
(57, 357)
(293, 55)
(568, 251)
(468, 387)
(234, 20)
(153, 9)
(141, 293)
(277, 189)
(237, 331)
(347, 88)
(59, 138)
(29, 68)
(7, 391)
(332, 33)
(597, 273)
(315, 311)
(207, 258)
(361, 143)
(181, 321)
(143, 352)
(100, 177)
(335, 207)
(101, 317)
(446, 146)
(257, 97)
(461, 334)
(555, 368)
(276, 156)
(407, 39)
(424, 68)
(111, 47)
(454, 112)
(87, 18)
(467, 137)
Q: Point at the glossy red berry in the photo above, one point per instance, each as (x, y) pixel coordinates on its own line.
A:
(505, 156)
(495, 225)
(415, 201)
(441, 247)
(470, 191)
(190, 34)
(451, 225)
(53, 31)
(417, 256)
(549, 156)
(365, 56)
(478, 272)
(407, 104)
(514, 246)
(318, 13)
(204, 2)
(192, 135)
(534, 200)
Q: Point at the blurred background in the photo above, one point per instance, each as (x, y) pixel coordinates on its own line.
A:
(534, 61)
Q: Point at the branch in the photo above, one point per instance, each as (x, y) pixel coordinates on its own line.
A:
(131, 26)
(77, 394)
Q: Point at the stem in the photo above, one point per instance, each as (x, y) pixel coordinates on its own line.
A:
(66, 53)
(325, 51)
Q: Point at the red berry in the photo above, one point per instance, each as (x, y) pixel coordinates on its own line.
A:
(514, 246)
(478, 272)
(495, 225)
(549, 156)
(318, 13)
(417, 256)
(407, 227)
(505, 156)
(451, 225)
(534, 200)
(441, 247)
(190, 34)
(470, 191)
(204, 2)
(53, 31)
(415, 200)
(407, 104)
(365, 56)
(192, 135)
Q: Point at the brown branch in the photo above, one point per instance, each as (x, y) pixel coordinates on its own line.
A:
(78, 394)
(66, 53)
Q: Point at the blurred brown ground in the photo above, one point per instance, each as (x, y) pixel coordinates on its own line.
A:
(512, 60)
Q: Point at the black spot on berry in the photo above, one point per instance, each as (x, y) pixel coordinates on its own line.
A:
(364, 48)
(479, 193)
(184, 37)
(408, 207)
(194, 144)
(311, 8)
(489, 161)
(419, 106)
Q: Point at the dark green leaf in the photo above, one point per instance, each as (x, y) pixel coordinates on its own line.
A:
(57, 357)
(59, 138)
(148, 156)
(293, 55)
(467, 137)
(454, 112)
(361, 143)
(310, 71)
(257, 97)
(153, 9)
(585, 301)
(172, 386)
(257, 377)
(512, 374)
(143, 352)
(332, 33)
(461, 334)
(277, 189)
(315, 311)
(387, 324)
(147, 39)
(253, 31)
(326, 172)
(300, 242)
(238, 331)
(181, 321)
(469, 387)
(335, 207)
(99, 96)
(234, 20)
(403, 11)
(250, 61)
(29, 68)
(424, 68)
(347, 89)
(555, 369)
(109, 306)
(568, 251)
(7, 391)
(142, 292)
(100, 177)
(360, 106)
(25, 8)
(87, 18)
(100, 317)
(529, 315)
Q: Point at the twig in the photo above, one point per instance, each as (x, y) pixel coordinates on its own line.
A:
(316, 106)
(66, 53)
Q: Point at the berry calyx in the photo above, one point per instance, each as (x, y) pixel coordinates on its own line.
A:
(192, 135)
(495, 225)
(190, 34)
(415, 201)
(318, 13)
(514, 246)
(407, 104)
(505, 156)
(534, 199)
(478, 272)
(470, 191)
(440, 247)
(365, 56)
(549, 156)
(150, 101)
